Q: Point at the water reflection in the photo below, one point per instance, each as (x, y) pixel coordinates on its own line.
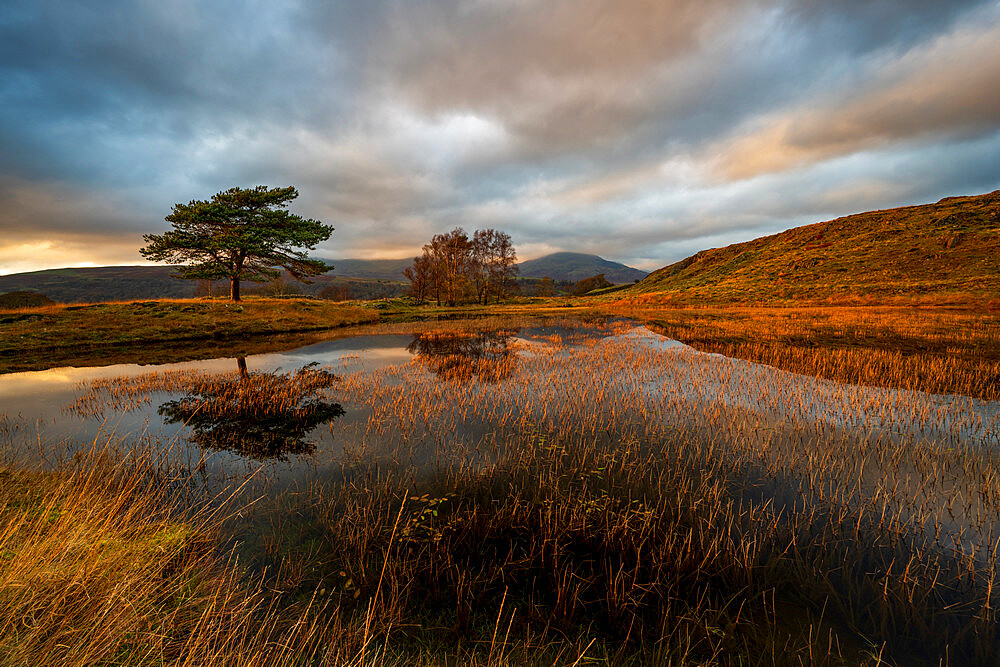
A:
(258, 415)
(486, 356)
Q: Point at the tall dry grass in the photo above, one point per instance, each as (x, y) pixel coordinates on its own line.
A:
(947, 351)
(99, 564)
(572, 500)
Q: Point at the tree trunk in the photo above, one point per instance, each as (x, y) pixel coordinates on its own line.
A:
(241, 363)
(234, 290)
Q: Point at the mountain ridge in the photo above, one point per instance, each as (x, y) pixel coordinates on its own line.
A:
(575, 266)
(364, 278)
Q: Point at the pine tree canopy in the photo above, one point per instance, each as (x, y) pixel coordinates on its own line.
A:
(240, 234)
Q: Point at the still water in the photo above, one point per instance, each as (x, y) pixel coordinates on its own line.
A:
(217, 423)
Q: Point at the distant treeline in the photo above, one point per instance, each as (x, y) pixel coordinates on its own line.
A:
(553, 275)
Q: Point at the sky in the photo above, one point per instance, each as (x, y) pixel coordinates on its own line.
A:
(639, 130)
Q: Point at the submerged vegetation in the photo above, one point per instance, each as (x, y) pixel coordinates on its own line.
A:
(527, 492)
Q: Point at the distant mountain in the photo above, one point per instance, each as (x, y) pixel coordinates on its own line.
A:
(375, 269)
(122, 283)
(944, 252)
(560, 266)
(575, 266)
(363, 279)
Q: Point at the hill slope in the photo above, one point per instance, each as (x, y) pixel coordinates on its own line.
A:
(946, 251)
(101, 283)
(575, 266)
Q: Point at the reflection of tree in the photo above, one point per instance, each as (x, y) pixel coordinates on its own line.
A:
(258, 415)
(486, 356)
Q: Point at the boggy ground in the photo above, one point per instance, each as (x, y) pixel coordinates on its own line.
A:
(166, 330)
(162, 330)
(537, 504)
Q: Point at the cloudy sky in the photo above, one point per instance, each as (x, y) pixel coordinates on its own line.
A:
(641, 130)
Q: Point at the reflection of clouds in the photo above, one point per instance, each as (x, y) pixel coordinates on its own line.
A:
(34, 391)
(386, 355)
(16, 382)
(46, 393)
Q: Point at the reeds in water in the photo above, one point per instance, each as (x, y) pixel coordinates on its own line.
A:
(573, 498)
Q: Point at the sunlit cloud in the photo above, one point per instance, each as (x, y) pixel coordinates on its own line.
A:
(950, 87)
(639, 131)
(38, 255)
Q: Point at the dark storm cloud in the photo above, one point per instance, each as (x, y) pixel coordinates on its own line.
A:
(640, 130)
(83, 81)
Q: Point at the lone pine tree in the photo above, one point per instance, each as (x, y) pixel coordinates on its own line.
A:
(240, 234)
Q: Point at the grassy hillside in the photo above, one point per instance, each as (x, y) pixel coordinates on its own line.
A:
(944, 252)
(24, 300)
(574, 266)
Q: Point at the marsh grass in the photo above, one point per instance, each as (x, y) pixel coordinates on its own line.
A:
(567, 499)
(662, 521)
(933, 350)
(97, 569)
